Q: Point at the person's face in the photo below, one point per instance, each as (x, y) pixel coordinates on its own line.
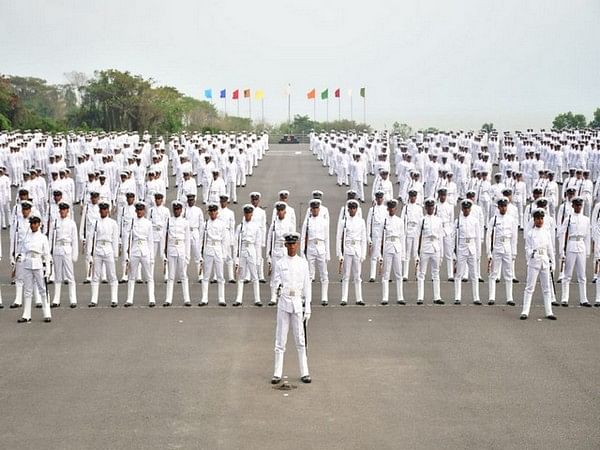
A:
(352, 210)
(280, 214)
(130, 199)
(412, 198)
(466, 211)
(191, 201)
(213, 214)
(392, 211)
(26, 212)
(94, 199)
(140, 213)
(502, 209)
(176, 211)
(538, 222)
(158, 201)
(577, 207)
(63, 212)
(248, 216)
(103, 212)
(34, 226)
(442, 197)
(254, 201)
(315, 211)
(429, 209)
(379, 200)
(292, 248)
(223, 203)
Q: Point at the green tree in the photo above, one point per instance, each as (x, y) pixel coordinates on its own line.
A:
(487, 127)
(595, 123)
(402, 129)
(569, 120)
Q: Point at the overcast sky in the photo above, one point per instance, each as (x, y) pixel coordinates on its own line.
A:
(460, 63)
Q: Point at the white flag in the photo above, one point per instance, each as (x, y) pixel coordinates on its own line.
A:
(349, 92)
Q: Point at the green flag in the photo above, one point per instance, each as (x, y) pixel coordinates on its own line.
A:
(362, 92)
(325, 94)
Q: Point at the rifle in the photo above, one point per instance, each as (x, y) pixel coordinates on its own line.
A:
(306, 237)
(202, 249)
(91, 265)
(129, 238)
(84, 228)
(381, 248)
(342, 240)
(562, 261)
(371, 228)
(456, 243)
(419, 245)
(239, 248)
(166, 245)
(489, 268)
(14, 251)
(121, 230)
(273, 235)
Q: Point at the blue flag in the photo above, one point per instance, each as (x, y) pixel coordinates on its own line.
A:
(223, 93)
(208, 93)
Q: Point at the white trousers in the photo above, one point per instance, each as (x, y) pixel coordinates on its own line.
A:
(34, 278)
(317, 261)
(533, 271)
(472, 263)
(501, 263)
(434, 260)
(351, 267)
(574, 261)
(211, 263)
(281, 333)
(108, 263)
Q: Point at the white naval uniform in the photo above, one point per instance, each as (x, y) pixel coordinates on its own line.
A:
(316, 230)
(65, 251)
(34, 253)
(260, 216)
(576, 230)
(276, 243)
(539, 249)
(467, 252)
(412, 213)
(102, 252)
(176, 244)
(501, 247)
(195, 218)
(445, 212)
(214, 240)
(159, 215)
(351, 249)
(228, 217)
(140, 241)
(375, 218)
(430, 251)
(247, 248)
(393, 238)
(292, 279)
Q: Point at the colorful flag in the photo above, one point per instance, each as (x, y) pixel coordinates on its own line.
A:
(236, 94)
(223, 93)
(311, 94)
(246, 93)
(259, 94)
(337, 93)
(325, 94)
(362, 92)
(208, 93)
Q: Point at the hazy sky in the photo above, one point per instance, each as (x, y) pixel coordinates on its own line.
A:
(439, 63)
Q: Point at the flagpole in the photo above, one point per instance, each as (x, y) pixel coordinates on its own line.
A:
(250, 107)
(262, 109)
(365, 109)
(340, 108)
(225, 101)
(315, 108)
(351, 109)
(238, 105)
(327, 109)
(289, 111)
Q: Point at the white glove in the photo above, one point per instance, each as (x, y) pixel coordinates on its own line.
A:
(19, 258)
(12, 262)
(88, 259)
(306, 317)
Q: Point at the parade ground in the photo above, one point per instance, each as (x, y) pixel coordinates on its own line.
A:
(384, 377)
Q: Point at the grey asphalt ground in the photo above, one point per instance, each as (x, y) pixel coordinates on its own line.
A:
(383, 376)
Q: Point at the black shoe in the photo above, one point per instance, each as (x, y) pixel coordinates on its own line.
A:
(523, 317)
(438, 302)
(259, 304)
(306, 379)
(275, 380)
(54, 305)
(202, 304)
(457, 302)
(555, 303)
(50, 282)
(403, 279)
(38, 305)
(401, 302)
(384, 302)
(551, 317)
(1, 306)
(477, 302)
(464, 280)
(597, 305)
(586, 304)
(481, 280)
(565, 304)
(360, 303)
(23, 320)
(187, 304)
(271, 303)
(491, 302)
(594, 280)
(263, 281)
(371, 280)
(213, 281)
(120, 282)
(511, 303)
(127, 304)
(236, 304)
(14, 305)
(114, 305)
(515, 280)
(91, 305)
(559, 281)
(47, 319)
(324, 303)
(419, 302)
(151, 305)
(451, 279)
(86, 282)
(231, 281)
(166, 305)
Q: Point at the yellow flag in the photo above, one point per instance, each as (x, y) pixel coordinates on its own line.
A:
(259, 94)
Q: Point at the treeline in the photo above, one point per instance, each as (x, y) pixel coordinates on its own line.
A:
(110, 100)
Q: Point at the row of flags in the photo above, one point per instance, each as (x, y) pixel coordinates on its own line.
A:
(311, 95)
(259, 94)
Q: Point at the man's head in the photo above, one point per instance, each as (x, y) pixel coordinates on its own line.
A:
(140, 209)
(352, 206)
(292, 242)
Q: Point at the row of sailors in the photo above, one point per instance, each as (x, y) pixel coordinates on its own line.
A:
(389, 239)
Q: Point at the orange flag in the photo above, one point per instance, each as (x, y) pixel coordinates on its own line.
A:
(311, 94)
(246, 93)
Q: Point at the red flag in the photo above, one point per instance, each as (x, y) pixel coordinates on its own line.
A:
(246, 93)
(236, 94)
(337, 93)
(310, 94)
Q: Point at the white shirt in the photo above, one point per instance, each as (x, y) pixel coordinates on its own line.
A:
(292, 277)
(352, 234)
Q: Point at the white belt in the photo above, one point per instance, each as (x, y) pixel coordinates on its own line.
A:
(412, 224)
(391, 239)
(141, 242)
(505, 239)
(576, 238)
(247, 244)
(431, 238)
(291, 292)
(351, 242)
(103, 242)
(176, 241)
(468, 240)
(193, 228)
(212, 242)
(540, 251)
